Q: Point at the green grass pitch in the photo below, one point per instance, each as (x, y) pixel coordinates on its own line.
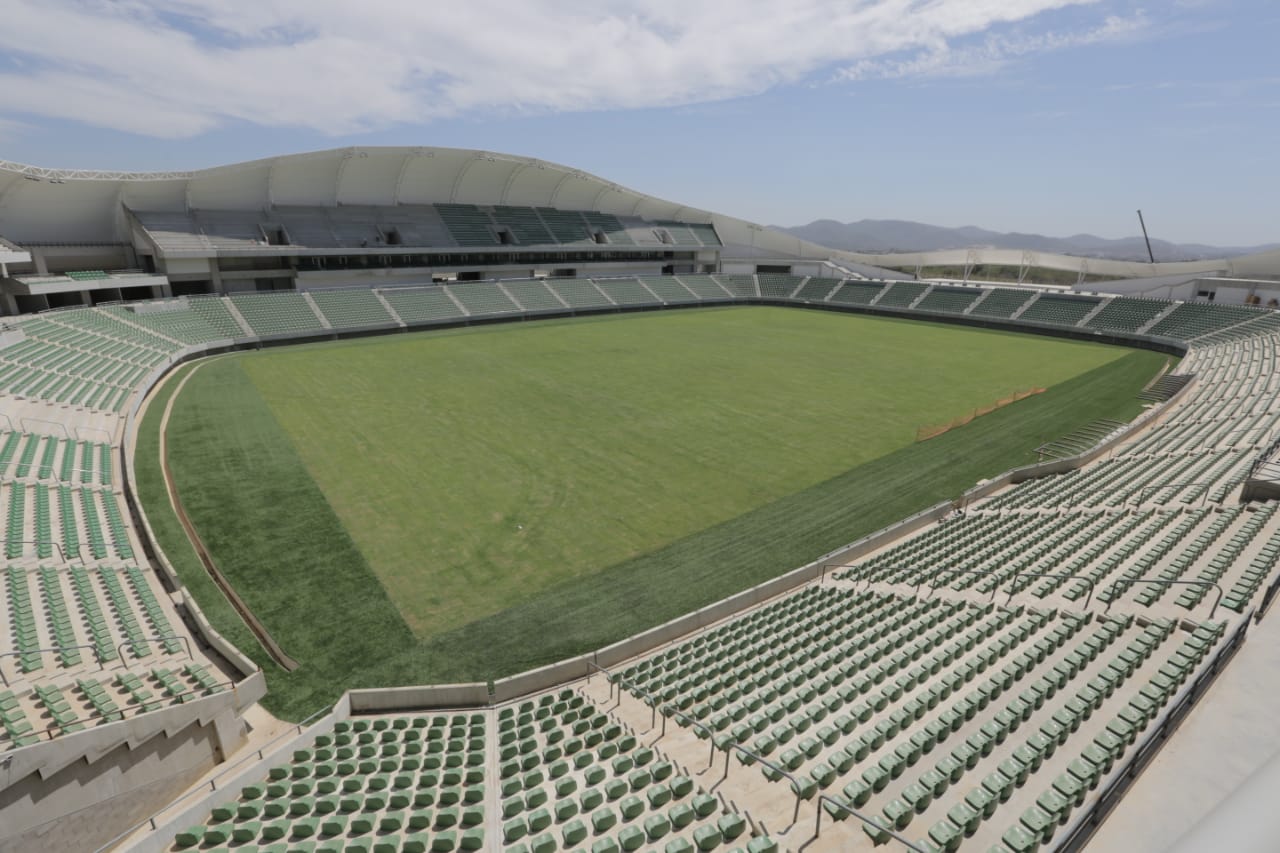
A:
(468, 504)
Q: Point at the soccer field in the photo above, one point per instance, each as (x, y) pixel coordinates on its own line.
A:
(467, 504)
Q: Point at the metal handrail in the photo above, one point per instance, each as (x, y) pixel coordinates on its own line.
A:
(59, 649)
(62, 554)
(797, 785)
(876, 822)
(93, 429)
(1141, 490)
(1213, 584)
(1268, 596)
(668, 710)
(1264, 456)
(1085, 578)
(618, 679)
(775, 768)
(934, 574)
(61, 426)
(186, 641)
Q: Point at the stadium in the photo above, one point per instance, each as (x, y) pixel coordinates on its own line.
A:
(383, 499)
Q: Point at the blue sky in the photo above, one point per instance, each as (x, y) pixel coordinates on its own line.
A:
(1053, 116)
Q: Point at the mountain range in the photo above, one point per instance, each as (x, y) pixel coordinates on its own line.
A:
(893, 235)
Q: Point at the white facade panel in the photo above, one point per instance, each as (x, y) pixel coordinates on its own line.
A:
(482, 180)
(533, 185)
(308, 181)
(430, 174)
(366, 179)
(240, 188)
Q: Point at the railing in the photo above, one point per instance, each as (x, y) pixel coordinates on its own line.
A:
(1142, 490)
(932, 575)
(49, 650)
(1267, 598)
(1263, 456)
(1085, 578)
(797, 786)
(922, 575)
(874, 822)
(159, 639)
(81, 429)
(1112, 591)
(1079, 441)
(617, 679)
(62, 554)
(58, 424)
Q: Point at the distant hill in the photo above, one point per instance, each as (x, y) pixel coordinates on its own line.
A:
(893, 235)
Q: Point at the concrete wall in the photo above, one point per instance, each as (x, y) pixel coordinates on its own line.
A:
(53, 815)
(78, 791)
(157, 834)
(385, 700)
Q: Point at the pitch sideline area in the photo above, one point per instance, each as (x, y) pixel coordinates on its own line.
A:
(776, 486)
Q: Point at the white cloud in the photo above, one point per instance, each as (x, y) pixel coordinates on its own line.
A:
(176, 68)
(992, 53)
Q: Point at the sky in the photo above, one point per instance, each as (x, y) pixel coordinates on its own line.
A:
(1048, 116)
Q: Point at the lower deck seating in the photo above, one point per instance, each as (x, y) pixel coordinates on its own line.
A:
(705, 286)
(949, 300)
(482, 297)
(348, 309)
(1001, 302)
(1192, 319)
(1059, 310)
(626, 291)
(1126, 315)
(213, 311)
(422, 305)
(533, 296)
(173, 318)
(779, 286)
(669, 289)
(816, 289)
(276, 313)
(738, 285)
(858, 292)
(901, 294)
(579, 293)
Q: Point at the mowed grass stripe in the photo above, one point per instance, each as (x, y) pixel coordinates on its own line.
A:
(149, 483)
(271, 531)
(477, 467)
(629, 597)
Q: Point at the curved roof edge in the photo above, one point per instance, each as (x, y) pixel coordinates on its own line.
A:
(67, 205)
